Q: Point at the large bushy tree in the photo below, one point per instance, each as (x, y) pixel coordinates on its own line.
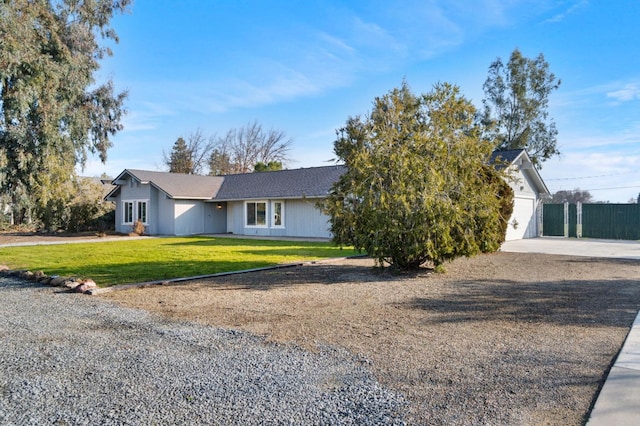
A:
(516, 106)
(52, 111)
(239, 150)
(418, 187)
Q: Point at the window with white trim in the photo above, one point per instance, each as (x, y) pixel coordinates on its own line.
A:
(256, 213)
(142, 211)
(277, 214)
(128, 212)
(134, 210)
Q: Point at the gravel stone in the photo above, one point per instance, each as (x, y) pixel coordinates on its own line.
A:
(68, 359)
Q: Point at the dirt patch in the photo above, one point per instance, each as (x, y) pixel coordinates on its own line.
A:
(500, 339)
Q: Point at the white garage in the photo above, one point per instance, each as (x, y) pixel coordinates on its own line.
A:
(522, 223)
(528, 191)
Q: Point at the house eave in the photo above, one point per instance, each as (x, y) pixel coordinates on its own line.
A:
(178, 197)
(267, 197)
(525, 165)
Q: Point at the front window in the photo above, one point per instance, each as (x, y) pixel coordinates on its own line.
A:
(134, 211)
(278, 214)
(142, 211)
(128, 212)
(257, 213)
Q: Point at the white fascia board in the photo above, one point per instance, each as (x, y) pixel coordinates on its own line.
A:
(266, 197)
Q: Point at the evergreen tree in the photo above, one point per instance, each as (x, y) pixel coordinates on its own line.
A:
(180, 160)
(52, 111)
(418, 187)
(190, 156)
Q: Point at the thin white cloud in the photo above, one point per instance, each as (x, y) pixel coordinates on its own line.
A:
(336, 42)
(561, 16)
(283, 85)
(629, 92)
(606, 94)
(145, 116)
(329, 55)
(373, 35)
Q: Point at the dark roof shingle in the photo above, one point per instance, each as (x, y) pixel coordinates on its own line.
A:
(178, 185)
(311, 182)
(507, 156)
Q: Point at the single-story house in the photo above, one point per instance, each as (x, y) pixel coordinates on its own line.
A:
(279, 203)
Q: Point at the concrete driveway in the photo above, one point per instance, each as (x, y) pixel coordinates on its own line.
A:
(617, 403)
(575, 247)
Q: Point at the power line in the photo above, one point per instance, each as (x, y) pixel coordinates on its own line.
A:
(592, 177)
(602, 189)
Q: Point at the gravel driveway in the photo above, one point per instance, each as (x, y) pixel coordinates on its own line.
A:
(68, 359)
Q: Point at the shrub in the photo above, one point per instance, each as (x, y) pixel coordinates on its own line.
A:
(138, 228)
(418, 188)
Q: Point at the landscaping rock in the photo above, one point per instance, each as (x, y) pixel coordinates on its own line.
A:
(4, 269)
(85, 286)
(28, 275)
(70, 283)
(45, 280)
(39, 276)
(57, 281)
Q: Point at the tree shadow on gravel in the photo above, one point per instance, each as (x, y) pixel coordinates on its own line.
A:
(568, 302)
(326, 274)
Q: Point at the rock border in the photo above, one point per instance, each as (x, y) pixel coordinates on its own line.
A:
(88, 286)
(73, 284)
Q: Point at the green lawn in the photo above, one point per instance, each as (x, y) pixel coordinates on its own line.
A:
(133, 261)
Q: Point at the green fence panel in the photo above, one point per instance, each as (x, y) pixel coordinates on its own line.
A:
(573, 220)
(611, 221)
(553, 220)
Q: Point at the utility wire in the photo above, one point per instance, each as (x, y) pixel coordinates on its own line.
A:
(592, 177)
(601, 189)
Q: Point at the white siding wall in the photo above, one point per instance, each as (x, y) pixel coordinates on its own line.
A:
(523, 221)
(521, 183)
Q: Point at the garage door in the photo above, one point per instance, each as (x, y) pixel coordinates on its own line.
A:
(522, 222)
(189, 218)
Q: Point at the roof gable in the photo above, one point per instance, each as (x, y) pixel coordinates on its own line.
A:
(178, 185)
(505, 157)
(520, 159)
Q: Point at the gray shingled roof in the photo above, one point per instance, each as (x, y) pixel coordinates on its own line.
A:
(508, 156)
(312, 182)
(296, 183)
(178, 185)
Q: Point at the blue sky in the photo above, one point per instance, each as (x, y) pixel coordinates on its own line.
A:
(304, 67)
